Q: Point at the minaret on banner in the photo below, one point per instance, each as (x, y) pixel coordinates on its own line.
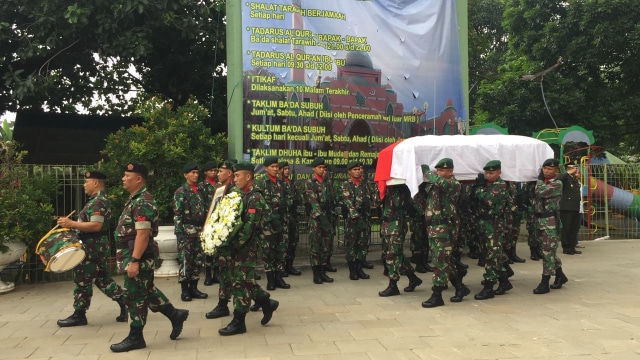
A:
(297, 23)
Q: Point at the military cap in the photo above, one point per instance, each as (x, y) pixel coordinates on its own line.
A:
(445, 163)
(270, 160)
(209, 165)
(188, 167)
(493, 165)
(282, 164)
(353, 164)
(244, 166)
(551, 163)
(95, 175)
(137, 168)
(227, 164)
(573, 163)
(317, 162)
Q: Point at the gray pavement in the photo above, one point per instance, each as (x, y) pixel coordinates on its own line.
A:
(596, 315)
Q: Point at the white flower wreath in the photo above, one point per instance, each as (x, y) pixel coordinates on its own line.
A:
(223, 223)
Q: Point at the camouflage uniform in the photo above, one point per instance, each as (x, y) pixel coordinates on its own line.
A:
(441, 216)
(207, 188)
(533, 238)
(494, 201)
(332, 215)
(189, 212)
(273, 242)
(243, 248)
(224, 259)
(548, 193)
(467, 233)
(513, 233)
(96, 246)
(419, 240)
(140, 212)
(356, 198)
(291, 219)
(318, 196)
(393, 230)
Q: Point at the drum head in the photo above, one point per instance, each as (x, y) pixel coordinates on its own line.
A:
(66, 259)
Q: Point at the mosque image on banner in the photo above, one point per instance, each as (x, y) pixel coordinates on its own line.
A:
(352, 111)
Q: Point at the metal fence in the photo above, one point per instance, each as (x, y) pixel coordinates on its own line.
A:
(611, 211)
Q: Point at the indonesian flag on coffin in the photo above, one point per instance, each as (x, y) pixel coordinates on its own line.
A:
(521, 157)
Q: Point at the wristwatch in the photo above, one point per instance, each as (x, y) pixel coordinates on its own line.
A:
(134, 259)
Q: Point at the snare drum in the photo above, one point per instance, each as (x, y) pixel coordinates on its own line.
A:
(60, 250)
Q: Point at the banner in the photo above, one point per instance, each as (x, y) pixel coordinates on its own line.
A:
(343, 79)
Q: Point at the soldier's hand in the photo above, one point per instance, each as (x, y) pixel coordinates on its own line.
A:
(541, 175)
(481, 180)
(133, 269)
(65, 222)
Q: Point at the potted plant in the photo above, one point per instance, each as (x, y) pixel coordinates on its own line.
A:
(26, 213)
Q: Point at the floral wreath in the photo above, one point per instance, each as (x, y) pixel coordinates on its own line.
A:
(223, 223)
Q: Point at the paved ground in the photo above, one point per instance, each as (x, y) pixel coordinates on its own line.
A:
(595, 316)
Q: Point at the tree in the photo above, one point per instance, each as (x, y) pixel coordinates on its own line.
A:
(168, 139)
(59, 54)
(597, 86)
(6, 130)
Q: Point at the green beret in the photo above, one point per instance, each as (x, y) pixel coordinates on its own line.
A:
(282, 164)
(445, 163)
(353, 164)
(188, 167)
(95, 175)
(493, 165)
(209, 165)
(551, 163)
(137, 168)
(317, 162)
(244, 166)
(270, 160)
(227, 164)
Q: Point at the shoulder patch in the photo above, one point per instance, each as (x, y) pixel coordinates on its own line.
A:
(252, 211)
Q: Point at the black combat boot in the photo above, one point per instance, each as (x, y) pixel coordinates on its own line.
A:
(560, 279)
(461, 289)
(414, 282)
(534, 253)
(365, 264)
(208, 277)
(473, 253)
(255, 307)
(324, 277)
(543, 287)
(268, 306)
(361, 274)
(236, 326)
(481, 260)
(508, 269)
(504, 285)
(391, 290)
(177, 317)
(486, 292)
(195, 293)
(317, 279)
(186, 292)
(328, 267)
(353, 275)
(289, 269)
(271, 280)
(435, 299)
(459, 264)
(222, 309)
(124, 315)
(514, 256)
(78, 318)
(133, 341)
(280, 283)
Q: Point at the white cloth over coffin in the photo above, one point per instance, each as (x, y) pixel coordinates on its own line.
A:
(521, 156)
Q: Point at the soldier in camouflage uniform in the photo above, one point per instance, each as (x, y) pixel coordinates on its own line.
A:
(419, 241)
(290, 218)
(533, 238)
(189, 212)
(356, 200)
(137, 255)
(207, 187)
(513, 233)
(442, 194)
(548, 194)
(273, 242)
(333, 218)
(318, 197)
(494, 203)
(92, 225)
(466, 211)
(223, 257)
(393, 229)
(243, 247)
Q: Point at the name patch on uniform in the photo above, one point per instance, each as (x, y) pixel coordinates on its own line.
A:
(252, 211)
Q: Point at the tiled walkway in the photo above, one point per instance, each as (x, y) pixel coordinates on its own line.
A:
(595, 316)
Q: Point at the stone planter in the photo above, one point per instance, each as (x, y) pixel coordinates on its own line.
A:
(168, 245)
(16, 249)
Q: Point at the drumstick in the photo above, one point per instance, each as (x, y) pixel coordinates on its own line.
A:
(50, 231)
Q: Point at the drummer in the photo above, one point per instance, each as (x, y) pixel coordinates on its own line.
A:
(92, 225)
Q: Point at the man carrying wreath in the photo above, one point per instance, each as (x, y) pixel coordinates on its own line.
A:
(243, 247)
